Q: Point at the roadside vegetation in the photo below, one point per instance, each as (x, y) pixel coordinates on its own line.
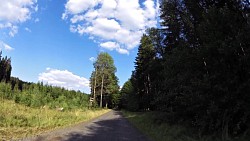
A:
(39, 95)
(151, 124)
(193, 71)
(18, 121)
(32, 108)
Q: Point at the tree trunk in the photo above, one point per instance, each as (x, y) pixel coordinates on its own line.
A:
(95, 86)
(101, 91)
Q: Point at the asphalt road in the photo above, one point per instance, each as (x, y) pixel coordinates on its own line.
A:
(111, 126)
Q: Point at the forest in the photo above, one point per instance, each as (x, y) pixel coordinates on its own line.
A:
(28, 109)
(194, 69)
(37, 95)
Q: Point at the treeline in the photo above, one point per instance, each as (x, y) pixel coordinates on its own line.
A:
(37, 94)
(195, 69)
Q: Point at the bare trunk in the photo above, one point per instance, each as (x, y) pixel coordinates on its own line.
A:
(205, 64)
(101, 91)
(149, 84)
(242, 49)
(95, 85)
(225, 121)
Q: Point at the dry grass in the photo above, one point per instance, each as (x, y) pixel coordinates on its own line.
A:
(17, 121)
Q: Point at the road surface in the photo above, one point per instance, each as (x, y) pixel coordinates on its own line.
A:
(111, 126)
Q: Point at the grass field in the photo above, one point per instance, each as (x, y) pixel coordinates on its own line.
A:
(17, 121)
(146, 122)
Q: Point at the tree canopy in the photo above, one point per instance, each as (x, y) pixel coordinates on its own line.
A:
(103, 81)
(5, 68)
(196, 68)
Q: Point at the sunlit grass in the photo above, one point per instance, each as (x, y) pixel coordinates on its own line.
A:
(17, 121)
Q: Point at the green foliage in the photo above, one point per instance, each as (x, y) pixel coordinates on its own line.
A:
(150, 124)
(104, 81)
(5, 68)
(129, 99)
(144, 72)
(196, 68)
(39, 95)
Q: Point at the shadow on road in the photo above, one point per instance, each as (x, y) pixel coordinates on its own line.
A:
(114, 128)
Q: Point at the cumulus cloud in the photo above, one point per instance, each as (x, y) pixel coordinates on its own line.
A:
(13, 12)
(4, 46)
(114, 46)
(115, 24)
(78, 6)
(122, 51)
(64, 78)
(110, 45)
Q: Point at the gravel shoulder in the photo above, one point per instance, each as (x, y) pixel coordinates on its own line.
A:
(111, 126)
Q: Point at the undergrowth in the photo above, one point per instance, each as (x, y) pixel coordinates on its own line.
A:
(150, 125)
(18, 121)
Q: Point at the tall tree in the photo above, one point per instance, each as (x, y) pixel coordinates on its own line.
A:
(104, 83)
(5, 68)
(129, 98)
(196, 68)
(205, 68)
(143, 71)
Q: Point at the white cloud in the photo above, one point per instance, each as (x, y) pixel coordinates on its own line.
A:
(64, 78)
(102, 27)
(107, 9)
(110, 45)
(149, 11)
(114, 46)
(78, 6)
(122, 51)
(13, 12)
(92, 59)
(77, 18)
(12, 28)
(130, 14)
(119, 21)
(13, 31)
(5, 46)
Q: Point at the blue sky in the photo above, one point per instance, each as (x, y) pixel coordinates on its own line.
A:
(55, 41)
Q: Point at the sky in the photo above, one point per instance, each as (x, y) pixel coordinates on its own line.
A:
(57, 41)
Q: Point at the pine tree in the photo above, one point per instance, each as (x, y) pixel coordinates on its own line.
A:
(5, 68)
(143, 71)
(103, 80)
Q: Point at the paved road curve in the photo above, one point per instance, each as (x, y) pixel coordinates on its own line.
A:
(111, 126)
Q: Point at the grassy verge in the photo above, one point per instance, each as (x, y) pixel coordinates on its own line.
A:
(157, 132)
(17, 121)
(146, 122)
